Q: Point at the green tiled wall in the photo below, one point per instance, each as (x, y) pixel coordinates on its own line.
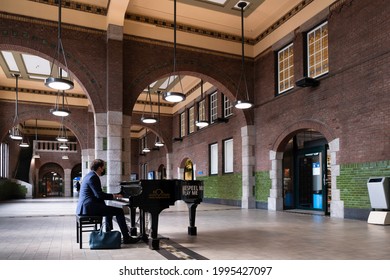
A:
(230, 186)
(263, 185)
(352, 181)
(227, 186)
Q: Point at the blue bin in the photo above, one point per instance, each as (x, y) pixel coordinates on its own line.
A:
(317, 201)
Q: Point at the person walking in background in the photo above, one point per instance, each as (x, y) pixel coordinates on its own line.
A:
(92, 200)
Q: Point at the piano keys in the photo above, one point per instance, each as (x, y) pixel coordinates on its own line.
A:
(153, 196)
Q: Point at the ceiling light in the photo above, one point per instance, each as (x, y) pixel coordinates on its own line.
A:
(62, 133)
(158, 142)
(59, 82)
(24, 144)
(201, 122)
(245, 103)
(148, 119)
(60, 111)
(63, 146)
(15, 133)
(173, 96)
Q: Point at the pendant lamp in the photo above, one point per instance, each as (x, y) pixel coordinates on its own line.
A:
(15, 133)
(242, 103)
(59, 82)
(201, 110)
(148, 119)
(174, 96)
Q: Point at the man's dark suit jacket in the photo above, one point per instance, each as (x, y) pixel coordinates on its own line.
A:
(91, 196)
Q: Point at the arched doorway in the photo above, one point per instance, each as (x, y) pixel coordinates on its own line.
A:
(52, 185)
(306, 172)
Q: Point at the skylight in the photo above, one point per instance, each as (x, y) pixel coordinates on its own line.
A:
(10, 60)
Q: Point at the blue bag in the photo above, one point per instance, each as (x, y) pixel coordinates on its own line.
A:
(99, 239)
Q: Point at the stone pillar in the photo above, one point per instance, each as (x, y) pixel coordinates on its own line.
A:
(275, 199)
(126, 154)
(169, 166)
(67, 182)
(248, 164)
(101, 141)
(336, 204)
(114, 151)
(114, 97)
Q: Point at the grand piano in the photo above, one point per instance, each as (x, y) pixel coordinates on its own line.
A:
(153, 196)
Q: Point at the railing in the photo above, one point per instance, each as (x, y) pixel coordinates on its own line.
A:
(53, 146)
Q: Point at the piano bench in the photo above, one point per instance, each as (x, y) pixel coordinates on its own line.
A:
(86, 224)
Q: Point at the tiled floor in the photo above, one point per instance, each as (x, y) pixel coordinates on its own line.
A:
(44, 229)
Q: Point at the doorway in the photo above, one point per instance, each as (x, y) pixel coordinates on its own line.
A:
(306, 169)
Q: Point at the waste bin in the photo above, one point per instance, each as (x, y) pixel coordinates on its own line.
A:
(378, 191)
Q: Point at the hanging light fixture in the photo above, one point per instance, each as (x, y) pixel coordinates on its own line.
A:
(242, 103)
(201, 110)
(15, 133)
(174, 96)
(151, 119)
(145, 148)
(24, 143)
(36, 155)
(59, 82)
(60, 111)
(62, 133)
(63, 146)
(158, 142)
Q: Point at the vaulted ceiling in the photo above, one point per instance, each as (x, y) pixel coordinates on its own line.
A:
(208, 24)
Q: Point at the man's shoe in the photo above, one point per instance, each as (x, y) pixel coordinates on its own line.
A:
(130, 240)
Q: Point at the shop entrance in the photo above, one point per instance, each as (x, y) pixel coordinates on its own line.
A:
(306, 169)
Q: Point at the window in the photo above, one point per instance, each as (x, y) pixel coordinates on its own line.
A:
(214, 159)
(191, 120)
(317, 51)
(182, 124)
(213, 107)
(228, 156)
(285, 69)
(227, 107)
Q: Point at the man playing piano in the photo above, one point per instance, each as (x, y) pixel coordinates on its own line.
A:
(92, 200)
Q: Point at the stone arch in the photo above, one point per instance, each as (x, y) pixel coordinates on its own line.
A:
(298, 126)
(221, 71)
(275, 200)
(42, 42)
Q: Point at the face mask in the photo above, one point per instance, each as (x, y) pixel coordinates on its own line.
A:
(103, 172)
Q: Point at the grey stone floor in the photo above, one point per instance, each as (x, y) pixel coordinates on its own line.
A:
(44, 229)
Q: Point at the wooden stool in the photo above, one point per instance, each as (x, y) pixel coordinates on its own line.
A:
(86, 224)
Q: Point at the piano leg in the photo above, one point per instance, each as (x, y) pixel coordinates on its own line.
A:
(133, 228)
(154, 243)
(144, 235)
(192, 214)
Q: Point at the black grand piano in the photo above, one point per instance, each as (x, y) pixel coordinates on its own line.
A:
(153, 196)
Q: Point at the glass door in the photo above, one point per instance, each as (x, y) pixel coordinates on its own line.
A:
(310, 189)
